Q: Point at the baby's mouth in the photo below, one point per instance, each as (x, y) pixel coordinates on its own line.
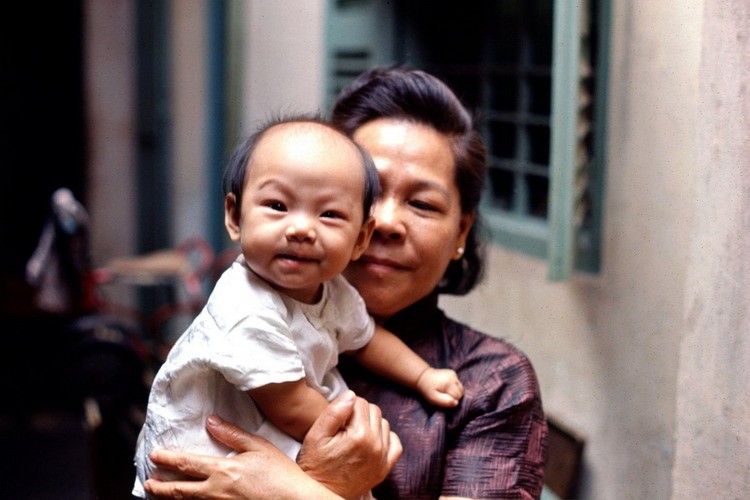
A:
(297, 258)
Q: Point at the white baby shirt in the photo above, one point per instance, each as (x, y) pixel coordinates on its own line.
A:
(248, 335)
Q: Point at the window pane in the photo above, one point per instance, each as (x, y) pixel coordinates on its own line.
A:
(539, 144)
(502, 185)
(504, 95)
(538, 189)
(502, 140)
(540, 90)
(539, 23)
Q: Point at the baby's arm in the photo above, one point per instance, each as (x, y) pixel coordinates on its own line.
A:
(291, 406)
(388, 356)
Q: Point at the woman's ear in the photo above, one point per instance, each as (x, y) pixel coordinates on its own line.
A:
(232, 217)
(363, 238)
(464, 226)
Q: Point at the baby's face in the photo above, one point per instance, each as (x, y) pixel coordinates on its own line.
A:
(301, 214)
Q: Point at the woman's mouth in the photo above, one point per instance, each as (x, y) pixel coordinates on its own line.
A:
(381, 264)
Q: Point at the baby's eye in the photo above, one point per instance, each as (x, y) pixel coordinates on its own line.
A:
(331, 214)
(277, 206)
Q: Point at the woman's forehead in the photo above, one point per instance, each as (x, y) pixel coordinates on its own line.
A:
(398, 146)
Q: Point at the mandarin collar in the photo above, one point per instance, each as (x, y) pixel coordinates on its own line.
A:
(415, 320)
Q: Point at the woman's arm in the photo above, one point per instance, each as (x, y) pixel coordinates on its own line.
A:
(348, 451)
(501, 448)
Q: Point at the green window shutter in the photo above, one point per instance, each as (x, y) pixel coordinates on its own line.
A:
(571, 153)
(358, 36)
(566, 54)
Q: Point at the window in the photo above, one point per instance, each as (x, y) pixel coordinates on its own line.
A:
(532, 73)
(359, 35)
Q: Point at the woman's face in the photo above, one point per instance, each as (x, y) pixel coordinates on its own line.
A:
(419, 226)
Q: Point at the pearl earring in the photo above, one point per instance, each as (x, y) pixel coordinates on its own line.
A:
(460, 252)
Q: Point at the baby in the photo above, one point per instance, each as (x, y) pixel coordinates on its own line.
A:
(263, 352)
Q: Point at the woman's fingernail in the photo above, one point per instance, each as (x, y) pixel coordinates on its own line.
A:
(213, 420)
(346, 399)
(348, 395)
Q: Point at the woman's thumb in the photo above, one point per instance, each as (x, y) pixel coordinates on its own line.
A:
(333, 417)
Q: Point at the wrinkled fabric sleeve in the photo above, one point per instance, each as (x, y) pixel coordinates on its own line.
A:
(356, 327)
(501, 452)
(257, 351)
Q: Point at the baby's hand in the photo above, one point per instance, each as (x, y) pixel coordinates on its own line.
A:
(440, 387)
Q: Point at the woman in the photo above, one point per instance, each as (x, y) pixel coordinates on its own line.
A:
(493, 445)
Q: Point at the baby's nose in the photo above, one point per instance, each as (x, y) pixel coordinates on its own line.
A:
(300, 231)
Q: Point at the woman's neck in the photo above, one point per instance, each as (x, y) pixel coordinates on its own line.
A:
(413, 318)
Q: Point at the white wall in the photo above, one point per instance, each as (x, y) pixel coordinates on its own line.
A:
(713, 406)
(111, 107)
(188, 57)
(109, 62)
(284, 69)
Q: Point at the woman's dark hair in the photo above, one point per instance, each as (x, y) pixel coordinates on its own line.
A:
(236, 169)
(419, 97)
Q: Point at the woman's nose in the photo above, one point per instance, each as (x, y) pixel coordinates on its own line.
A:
(388, 221)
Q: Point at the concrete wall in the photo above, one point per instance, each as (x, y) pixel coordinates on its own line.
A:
(606, 348)
(189, 62)
(111, 108)
(284, 67)
(713, 394)
(109, 83)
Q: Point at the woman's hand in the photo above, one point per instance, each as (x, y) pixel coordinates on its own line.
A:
(258, 471)
(352, 452)
(349, 449)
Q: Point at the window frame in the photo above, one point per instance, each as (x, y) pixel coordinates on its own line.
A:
(570, 247)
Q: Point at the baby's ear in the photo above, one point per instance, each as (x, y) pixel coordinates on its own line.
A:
(232, 217)
(363, 238)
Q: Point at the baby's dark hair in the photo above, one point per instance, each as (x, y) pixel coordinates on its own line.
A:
(236, 169)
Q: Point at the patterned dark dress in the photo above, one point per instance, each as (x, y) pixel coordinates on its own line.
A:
(493, 445)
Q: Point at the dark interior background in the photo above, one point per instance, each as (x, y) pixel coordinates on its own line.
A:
(42, 127)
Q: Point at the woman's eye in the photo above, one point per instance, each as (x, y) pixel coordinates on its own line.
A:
(423, 205)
